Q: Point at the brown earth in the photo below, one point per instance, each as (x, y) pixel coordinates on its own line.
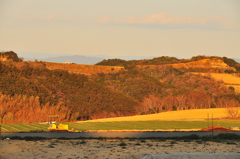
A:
(109, 148)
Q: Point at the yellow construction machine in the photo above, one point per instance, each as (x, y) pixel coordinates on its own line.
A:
(55, 126)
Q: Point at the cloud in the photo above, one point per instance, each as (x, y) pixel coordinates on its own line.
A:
(48, 17)
(164, 19)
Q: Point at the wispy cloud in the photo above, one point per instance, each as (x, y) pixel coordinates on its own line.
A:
(48, 17)
(165, 19)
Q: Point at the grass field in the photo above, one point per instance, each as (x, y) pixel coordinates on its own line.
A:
(126, 126)
(23, 127)
(187, 120)
(194, 114)
(153, 125)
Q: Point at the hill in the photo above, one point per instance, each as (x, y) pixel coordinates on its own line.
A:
(196, 63)
(83, 92)
(208, 64)
(45, 89)
(9, 56)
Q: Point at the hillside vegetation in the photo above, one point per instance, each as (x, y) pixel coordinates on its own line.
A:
(83, 98)
(84, 92)
(203, 63)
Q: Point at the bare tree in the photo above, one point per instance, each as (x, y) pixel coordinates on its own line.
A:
(152, 104)
(232, 110)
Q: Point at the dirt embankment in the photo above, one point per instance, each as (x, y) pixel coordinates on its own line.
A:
(83, 69)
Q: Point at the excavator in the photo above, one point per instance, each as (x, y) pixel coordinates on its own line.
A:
(56, 126)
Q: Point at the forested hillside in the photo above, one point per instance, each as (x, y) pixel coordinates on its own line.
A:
(164, 60)
(29, 92)
(83, 98)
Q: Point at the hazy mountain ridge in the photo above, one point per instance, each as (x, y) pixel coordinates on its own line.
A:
(78, 59)
(49, 57)
(237, 59)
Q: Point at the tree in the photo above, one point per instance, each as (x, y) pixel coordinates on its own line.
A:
(152, 104)
(232, 109)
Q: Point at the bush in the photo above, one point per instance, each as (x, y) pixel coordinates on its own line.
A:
(227, 136)
(122, 144)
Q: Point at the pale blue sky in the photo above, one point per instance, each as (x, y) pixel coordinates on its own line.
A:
(181, 28)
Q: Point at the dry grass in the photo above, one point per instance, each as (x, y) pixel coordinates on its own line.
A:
(236, 87)
(205, 63)
(83, 69)
(196, 114)
(226, 78)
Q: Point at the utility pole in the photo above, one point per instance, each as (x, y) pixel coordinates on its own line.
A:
(212, 124)
(208, 123)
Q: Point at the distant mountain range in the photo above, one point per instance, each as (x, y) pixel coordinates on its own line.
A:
(89, 60)
(237, 60)
(80, 59)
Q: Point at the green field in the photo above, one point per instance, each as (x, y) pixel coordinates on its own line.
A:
(133, 125)
(23, 127)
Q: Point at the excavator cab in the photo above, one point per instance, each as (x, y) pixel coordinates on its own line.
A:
(55, 125)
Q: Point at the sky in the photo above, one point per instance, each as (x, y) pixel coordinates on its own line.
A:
(176, 28)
